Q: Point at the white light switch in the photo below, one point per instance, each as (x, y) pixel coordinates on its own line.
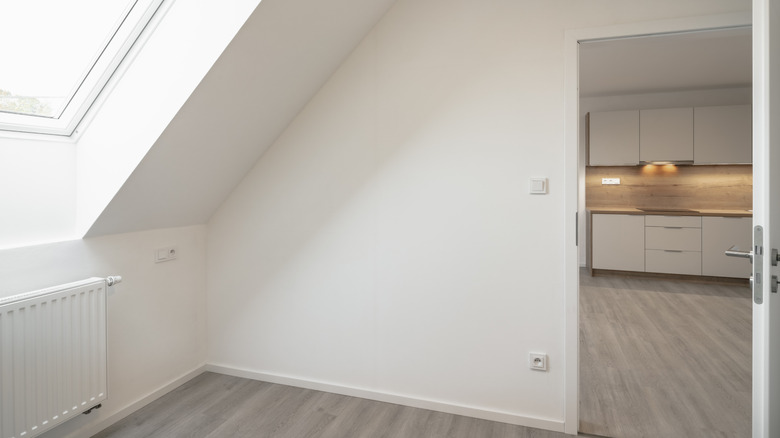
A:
(605, 181)
(538, 186)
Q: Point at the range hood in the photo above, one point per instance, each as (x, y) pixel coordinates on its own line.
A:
(674, 162)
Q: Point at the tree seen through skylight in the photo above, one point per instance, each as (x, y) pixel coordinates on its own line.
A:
(49, 46)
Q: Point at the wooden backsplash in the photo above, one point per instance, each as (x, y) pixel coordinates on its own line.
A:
(702, 187)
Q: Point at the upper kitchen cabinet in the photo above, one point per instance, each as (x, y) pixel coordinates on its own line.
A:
(613, 138)
(722, 135)
(666, 135)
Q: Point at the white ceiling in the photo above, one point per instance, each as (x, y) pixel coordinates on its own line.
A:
(671, 62)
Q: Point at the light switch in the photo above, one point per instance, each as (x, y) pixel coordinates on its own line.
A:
(538, 186)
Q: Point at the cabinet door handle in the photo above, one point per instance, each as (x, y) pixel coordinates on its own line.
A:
(674, 228)
(673, 250)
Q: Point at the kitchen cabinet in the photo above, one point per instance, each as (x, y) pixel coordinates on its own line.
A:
(722, 135)
(618, 242)
(613, 138)
(702, 135)
(666, 134)
(690, 245)
(718, 235)
(673, 244)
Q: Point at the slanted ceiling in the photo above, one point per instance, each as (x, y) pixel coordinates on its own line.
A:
(282, 55)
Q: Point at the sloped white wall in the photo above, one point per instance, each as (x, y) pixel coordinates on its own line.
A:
(188, 37)
(386, 244)
(156, 316)
(282, 55)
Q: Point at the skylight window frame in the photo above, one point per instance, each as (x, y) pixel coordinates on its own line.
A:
(128, 30)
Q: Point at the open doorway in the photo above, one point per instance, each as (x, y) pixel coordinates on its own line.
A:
(665, 323)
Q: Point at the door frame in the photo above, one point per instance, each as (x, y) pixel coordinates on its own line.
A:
(572, 175)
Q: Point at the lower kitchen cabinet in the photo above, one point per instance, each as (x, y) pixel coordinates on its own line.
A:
(618, 242)
(673, 244)
(673, 262)
(718, 235)
(690, 245)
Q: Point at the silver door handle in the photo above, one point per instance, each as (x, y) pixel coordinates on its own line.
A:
(733, 252)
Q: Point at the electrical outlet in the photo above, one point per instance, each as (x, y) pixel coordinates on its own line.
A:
(165, 254)
(609, 181)
(537, 361)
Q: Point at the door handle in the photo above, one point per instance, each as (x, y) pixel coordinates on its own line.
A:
(734, 252)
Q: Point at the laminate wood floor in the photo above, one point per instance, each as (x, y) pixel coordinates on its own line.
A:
(664, 359)
(218, 406)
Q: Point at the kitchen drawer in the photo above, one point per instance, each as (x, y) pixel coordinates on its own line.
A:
(653, 220)
(683, 239)
(673, 262)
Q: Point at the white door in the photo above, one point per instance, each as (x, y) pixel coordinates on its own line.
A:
(766, 205)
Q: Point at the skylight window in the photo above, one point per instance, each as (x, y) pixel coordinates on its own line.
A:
(58, 55)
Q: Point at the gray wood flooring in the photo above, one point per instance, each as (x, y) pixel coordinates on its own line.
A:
(664, 359)
(657, 359)
(217, 406)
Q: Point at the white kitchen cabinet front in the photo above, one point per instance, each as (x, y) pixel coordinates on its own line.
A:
(666, 134)
(613, 138)
(722, 135)
(618, 242)
(673, 244)
(718, 235)
(673, 262)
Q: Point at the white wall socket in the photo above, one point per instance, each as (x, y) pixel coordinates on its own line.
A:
(537, 361)
(605, 181)
(165, 254)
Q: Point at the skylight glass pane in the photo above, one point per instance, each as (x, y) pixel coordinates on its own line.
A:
(54, 45)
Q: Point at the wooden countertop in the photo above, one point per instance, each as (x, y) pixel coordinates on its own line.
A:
(671, 212)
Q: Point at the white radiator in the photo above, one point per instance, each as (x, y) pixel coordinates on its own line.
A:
(52, 356)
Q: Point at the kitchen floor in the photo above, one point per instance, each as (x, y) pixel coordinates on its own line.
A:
(662, 358)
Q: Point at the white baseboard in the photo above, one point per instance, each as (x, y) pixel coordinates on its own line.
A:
(468, 411)
(93, 428)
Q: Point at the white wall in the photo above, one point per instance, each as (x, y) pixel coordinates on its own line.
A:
(387, 243)
(37, 191)
(722, 96)
(156, 316)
